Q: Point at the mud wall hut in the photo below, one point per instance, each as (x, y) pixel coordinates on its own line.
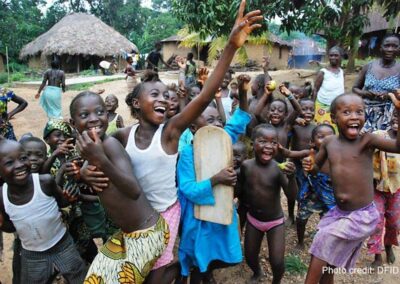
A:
(80, 41)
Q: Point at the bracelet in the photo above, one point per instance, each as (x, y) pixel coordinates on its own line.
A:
(290, 97)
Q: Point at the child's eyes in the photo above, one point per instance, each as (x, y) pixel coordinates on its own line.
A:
(83, 115)
(100, 112)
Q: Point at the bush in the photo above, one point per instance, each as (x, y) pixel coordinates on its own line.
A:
(16, 67)
(17, 77)
(294, 265)
(3, 78)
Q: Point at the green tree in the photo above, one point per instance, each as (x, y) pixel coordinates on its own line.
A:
(20, 22)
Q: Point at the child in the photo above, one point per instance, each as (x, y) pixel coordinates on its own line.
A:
(239, 155)
(173, 100)
(343, 229)
(386, 198)
(153, 145)
(261, 180)
(226, 93)
(315, 191)
(130, 254)
(196, 248)
(115, 121)
(29, 205)
(190, 70)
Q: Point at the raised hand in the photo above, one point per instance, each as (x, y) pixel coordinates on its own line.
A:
(218, 94)
(90, 146)
(181, 61)
(243, 82)
(203, 75)
(244, 25)
(284, 91)
(65, 148)
(182, 92)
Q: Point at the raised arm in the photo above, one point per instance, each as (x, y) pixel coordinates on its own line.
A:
(110, 158)
(295, 104)
(220, 107)
(243, 27)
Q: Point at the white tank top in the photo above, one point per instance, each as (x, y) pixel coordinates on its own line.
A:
(38, 222)
(154, 169)
(332, 86)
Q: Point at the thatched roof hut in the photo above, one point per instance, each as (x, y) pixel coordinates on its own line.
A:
(78, 40)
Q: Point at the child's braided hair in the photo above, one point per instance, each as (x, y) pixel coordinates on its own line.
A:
(148, 76)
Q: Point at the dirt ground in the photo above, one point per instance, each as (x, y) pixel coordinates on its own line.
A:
(33, 120)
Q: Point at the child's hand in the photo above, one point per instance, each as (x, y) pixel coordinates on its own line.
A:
(90, 147)
(181, 61)
(265, 61)
(284, 91)
(71, 192)
(244, 25)
(284, 152)
(243, 82)
(93, 177)
(226, 176)
(203, 76)
(72, 168)
(395, 98)
(65, 147)
(300, 121)
(309, 162)
(182, 92)
(288, 168)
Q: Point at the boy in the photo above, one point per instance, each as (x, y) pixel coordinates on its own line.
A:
(239, 155)
(29, 205)
(129, 255)
(344, 228)
(115, 121)
(196, 248)
(261, 180)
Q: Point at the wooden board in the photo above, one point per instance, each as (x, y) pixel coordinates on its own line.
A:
(212, 153)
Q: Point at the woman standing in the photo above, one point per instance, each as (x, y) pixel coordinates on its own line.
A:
(328, 85)
(51, 97)
(375, 81)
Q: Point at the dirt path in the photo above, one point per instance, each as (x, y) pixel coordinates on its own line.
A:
(33, 120)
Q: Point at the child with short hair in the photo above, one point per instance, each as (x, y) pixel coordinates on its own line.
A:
(174, 101)
(130, 254)
(239, 156)
(115, 121)
(29, 205)
(315, 191)
(35, 149)
(343, 229)
(195, 248)
(386, 198)
(261, 180)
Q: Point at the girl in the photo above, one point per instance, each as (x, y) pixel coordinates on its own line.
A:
(328, 85)
(115, 121)
(153, 146)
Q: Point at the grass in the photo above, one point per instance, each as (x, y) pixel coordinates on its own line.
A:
(85, 86)
(294, 265)
(18, 77)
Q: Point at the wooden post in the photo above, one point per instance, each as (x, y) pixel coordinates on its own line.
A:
(79, 64)
(8, 67)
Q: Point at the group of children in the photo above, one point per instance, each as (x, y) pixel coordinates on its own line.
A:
(135, 187)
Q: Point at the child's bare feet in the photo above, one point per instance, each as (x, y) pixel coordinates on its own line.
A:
(299, 248)
(255, 278)
(390, 257)
(377, 262)
(289, 221)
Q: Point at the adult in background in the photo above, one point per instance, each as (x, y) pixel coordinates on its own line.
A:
(50, 100)
(328, 85)
(375, 81)
(131, 80)
(155, 56)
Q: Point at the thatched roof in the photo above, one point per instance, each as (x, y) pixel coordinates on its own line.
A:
(79, 33)
(377, 22)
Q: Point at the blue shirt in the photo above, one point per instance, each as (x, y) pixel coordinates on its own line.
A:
(201, 241)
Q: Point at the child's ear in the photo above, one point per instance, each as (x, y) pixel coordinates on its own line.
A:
(135, 104)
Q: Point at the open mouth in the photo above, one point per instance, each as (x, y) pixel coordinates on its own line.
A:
(353, 128)
(21, 174)
(34, 166)
(160, 110)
